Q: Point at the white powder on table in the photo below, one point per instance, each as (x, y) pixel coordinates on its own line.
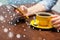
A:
(10, 34)
(5, 29)
(18, 35)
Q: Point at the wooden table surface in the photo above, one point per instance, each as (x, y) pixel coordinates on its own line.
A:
(21, 31)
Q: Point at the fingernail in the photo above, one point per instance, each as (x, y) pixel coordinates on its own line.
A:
(54, 25)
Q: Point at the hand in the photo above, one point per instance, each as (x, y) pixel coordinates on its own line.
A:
(56, 21)
(24, 9)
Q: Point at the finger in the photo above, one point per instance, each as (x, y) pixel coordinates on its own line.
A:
(23, 7)
(27, 14)
(16, 11)
(56, 22)
(56, 26)
(53, 16)
(55, 19)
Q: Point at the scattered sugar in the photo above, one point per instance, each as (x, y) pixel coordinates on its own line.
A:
(44, 39)
(11, 16)
(18, 35)
(4, 21)
(23, 26)
(14, 14)
(14, 24)
(9, 22)
(9, 28)
(1, 18)
(2, 26)
(5, 29)
(24, 29)
(8, 6)
(28, 26)
(24, 35)
(33, 27)
(5, 16)
(58, 30)
(8, 10)
(17, 20)
(10, 34)
(4, 12)
(27, 23)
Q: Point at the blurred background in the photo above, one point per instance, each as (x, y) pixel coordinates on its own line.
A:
(57, 6)
(4, 2)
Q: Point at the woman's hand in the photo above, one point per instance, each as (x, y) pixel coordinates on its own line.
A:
(56, 21)
(24, 9)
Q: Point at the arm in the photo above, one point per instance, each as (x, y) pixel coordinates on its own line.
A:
(44, 5)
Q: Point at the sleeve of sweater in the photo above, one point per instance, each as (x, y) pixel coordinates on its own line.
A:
(48, 3)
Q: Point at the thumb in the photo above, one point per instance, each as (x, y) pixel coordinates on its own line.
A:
(23, 8)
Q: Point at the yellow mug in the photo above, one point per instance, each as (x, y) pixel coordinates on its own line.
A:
(44, 20)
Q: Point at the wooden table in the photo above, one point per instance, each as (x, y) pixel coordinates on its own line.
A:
(21, 31)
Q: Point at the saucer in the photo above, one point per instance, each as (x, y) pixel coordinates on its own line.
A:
(35, 23)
